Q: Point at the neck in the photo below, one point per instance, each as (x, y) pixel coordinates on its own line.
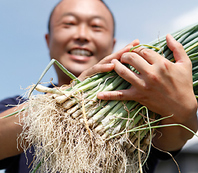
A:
(64, 80)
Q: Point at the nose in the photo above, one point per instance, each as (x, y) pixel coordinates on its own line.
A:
(82, 33)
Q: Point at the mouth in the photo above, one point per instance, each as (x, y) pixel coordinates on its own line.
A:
(81, 52)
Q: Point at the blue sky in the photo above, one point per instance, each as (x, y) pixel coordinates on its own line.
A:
(23, 24)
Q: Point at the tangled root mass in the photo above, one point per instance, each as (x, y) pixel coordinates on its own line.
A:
(63, 144)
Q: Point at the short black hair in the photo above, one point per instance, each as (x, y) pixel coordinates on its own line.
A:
(50, 17)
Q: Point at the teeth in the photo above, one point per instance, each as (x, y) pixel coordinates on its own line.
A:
(80, 52)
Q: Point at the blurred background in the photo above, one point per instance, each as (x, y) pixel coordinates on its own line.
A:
(24, 54)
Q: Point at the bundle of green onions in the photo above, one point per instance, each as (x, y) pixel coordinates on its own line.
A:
(188, 37)
(72, 131)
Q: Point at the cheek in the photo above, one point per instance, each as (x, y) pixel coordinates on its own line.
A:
(104, 46)
(61, 36)
(57, 40)
(57, 44)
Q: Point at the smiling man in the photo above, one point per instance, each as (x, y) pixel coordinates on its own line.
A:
(81, 33)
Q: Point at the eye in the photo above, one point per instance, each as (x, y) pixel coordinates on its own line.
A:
(69, 23)
(97, 24)
(97, 28)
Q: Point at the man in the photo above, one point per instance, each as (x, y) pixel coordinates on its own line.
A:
(81, 33)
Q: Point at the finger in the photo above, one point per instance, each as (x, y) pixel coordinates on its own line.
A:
(134, 43)
(114, 95)
(127, 74)
(149, 55)
(135, 60)
(119, 53)
(177, 49)
(98, 68)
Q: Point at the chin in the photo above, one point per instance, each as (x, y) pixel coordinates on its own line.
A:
(75, 71)
(78, 69)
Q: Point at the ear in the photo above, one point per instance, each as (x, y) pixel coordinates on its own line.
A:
(47, 39)
(114, 42)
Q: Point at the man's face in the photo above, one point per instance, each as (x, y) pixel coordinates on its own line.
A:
(81, 34)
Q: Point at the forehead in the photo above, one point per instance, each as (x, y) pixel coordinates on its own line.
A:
(83, 8)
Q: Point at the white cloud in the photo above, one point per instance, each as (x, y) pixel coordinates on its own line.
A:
(184, 20)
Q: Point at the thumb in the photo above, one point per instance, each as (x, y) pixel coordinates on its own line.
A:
(178, 51)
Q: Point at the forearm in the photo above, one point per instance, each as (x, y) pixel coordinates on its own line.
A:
(9, 131)
(174, 137)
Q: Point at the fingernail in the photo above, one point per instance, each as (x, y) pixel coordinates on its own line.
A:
(170, 37)
(113, 61)
(100, 95)
(110, 64)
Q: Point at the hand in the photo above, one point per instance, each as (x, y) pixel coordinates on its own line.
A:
(105, 64)
(161, 84)
(164, 87)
